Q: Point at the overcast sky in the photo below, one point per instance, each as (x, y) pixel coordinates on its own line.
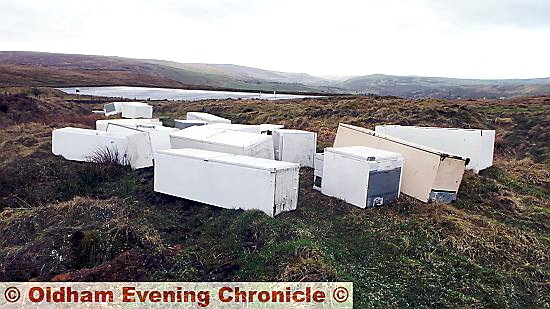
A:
(453, 38)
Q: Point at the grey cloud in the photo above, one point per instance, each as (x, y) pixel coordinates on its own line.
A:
(209, 10)
(29, 20)
(488, 13)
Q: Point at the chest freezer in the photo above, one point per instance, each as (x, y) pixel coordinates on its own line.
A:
(102, 124)
(79, 144)
(206, 117)
(295, 146)
(477, 145)
(362, 176)
(250, 128)
(159, 136)
(318, 171)
(228, 181)
(220, 140)
(184, 124)
(137, 110)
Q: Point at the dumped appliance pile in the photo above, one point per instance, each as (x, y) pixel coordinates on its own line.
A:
(208, 159)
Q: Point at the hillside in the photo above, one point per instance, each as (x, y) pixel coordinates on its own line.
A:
(59, 70)
(72, 221)
(439, 87)
(47, 69)
(248, 73)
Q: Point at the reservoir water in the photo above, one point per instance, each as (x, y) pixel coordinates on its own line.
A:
(144, 93)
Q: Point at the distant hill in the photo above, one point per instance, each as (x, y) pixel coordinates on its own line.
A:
(49, 69)
(439, 87)
(249, 74)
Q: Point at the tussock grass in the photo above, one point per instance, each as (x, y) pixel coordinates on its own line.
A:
(43, 178)
(81, 233)
(108, 156)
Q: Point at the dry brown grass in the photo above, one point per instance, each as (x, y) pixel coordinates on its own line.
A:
(484, 239)
(307, 265)
(22, 140)
(22, 108)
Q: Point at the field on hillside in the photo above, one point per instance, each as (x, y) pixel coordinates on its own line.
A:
(71, 221)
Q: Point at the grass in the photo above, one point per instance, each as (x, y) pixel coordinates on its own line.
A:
(489, 249)
(79, 233)
(108, 156)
